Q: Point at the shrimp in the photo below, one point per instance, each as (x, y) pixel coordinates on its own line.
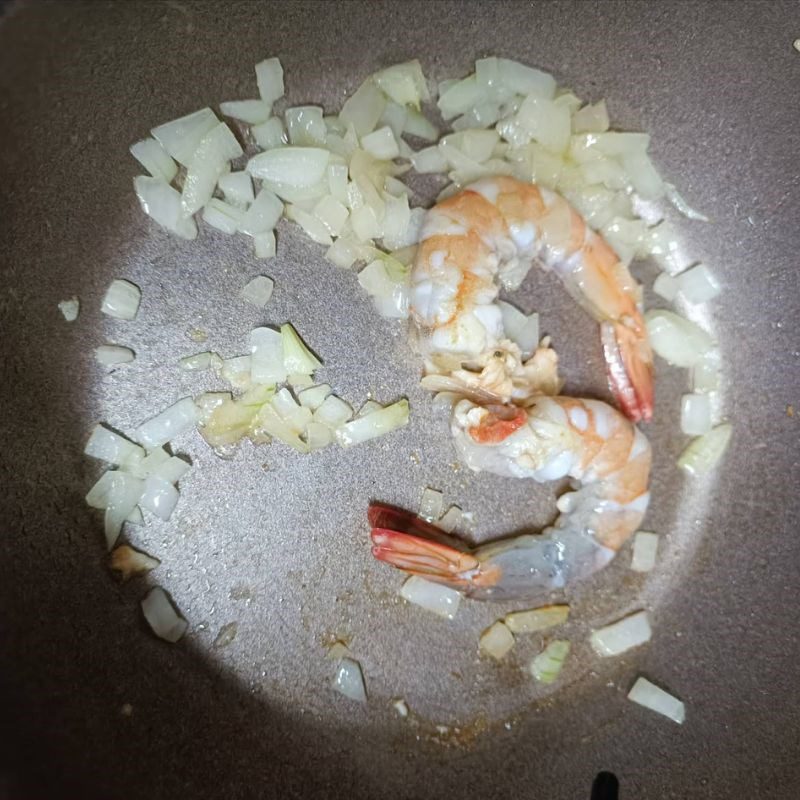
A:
(555, 437)
(490, 233)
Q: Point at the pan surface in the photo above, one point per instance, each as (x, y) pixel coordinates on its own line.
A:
(276, 545)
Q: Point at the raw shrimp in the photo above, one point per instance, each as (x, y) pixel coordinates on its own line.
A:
(553, 438)
(491, 232)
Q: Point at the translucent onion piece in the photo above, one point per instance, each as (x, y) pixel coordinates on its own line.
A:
(545, 122)
(645, 550)
(181, 137)
(170, 423)
(110, 446)
(451, 520)
(331, 213)
(206, 166)
(172, 470)
(496, 641)
(546, 667)
(536, 619)
(591, 119)
(130, 563)
(251, 111)
(522, 79)
(258, 291)
(237, 371)
(163, 204)
(97, 496)
(677, 200)
(121, 300)
(270, 422)
(297, 358)
(318, 435)
(363, 108)
(381, 144)
(314, 396)
(70, 309)
(298, 167)
(404, 83)
(666, 286)
(379, 423)
(223, 216)
(314, 228)
(434, 597)
(651, 696)
(430, 159)
(159, 497)
(676, 339)
(162, 617)
(333, 412)
(349, 680)
(123, 496)
(264, 244)
(267, 363)
(263, 214)
(269, 77)
(431, 504)
(155, 159)
(695, 414)
(269, 134)
(702, 454)
(698, 284)
(111, 354)
(201, 361)
(706, 373)
(305, 126)
(420, 126)
(617, 638)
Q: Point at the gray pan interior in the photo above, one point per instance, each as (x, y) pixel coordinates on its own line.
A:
(277, 543)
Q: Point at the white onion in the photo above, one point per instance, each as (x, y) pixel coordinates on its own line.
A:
(159, 496)
(477, 145)
(258, 291)
(337, 181)
(451, 520)
(389, 292)
(97, 496)
(404, 83)
(110, 446)
(314, 396)
(316, 230)
(677, 200)
(70, 309)
(162, 428)
(201, 361)
(431, 504)
(420, 126)
(429, 160)
(207, 402)
(695, 414)
(435, 597)
(676, 339)
(591, 119)
(111, 354)
(344, 252)
(703, 453)
(381, 144)
(363, 108)
(162, 617)
(269, 77)
(223, 216)
(135, 517)
(396, 219)
(122, 497)
(298, 167)
(379, 423)
(394, 116)
(522, 79)
(237, 371)
(496, 641)
(520, 328)
(155, 159)
(297, 358)
(269, 421)
(651, 696)
(237, 188)
(264, 244)
(253, 112)
(614, 639)
(643, 175)
(331, 213)
(645, 550)
(266, 365)
(698, 284)
(664, 247)
(297, 417)
(460, 97)
(401, 707)
(163, 204)
(333, 412)
(263, 214)
(270, 134)
(181, 137)
(368, 407)
(121, 300)
(545, 122)
(533, 620)
(217, 148)
(129, 562)
(318, 435)
(349, 680)
(665, 286)
(172, 470)
(547, 666)
(706, 373)
(305, 126)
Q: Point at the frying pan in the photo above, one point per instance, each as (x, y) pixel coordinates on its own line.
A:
(94, 706)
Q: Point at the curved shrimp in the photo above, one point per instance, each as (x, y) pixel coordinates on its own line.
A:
(554, 438)
(491, 232)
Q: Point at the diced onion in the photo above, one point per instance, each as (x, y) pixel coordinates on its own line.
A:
(237, 371)
(698, 284)
(305, 126)
(162, 617)
(522, 79)
(70, 309)
(111, 354)
(591, 119)
(297, 417)
(496, 641)
(159, 496)
(349, 680)
(122, 497)
(264, 244)
(121, 300)
(97, 496)
(130, 563)
(401, 707)
(163, 204)
(318, 435)
(363, 108)
(536, 619)
(223, 216)
(381, 144)
(316, 230)
(201, 361)
(545, 122)
(258, 291)
(109, 446)
(297, 358)
(703, 453)
(206, 166)
(164, 427)
(333, 412)
(705, 373)
(434, 597)
(418, 125)
(298, 167)
(677, 200)
(181, 137)
(404, 83)
(314, 396)
(666, 286)
(651, 696)
(617, 638)
(269, 77)
(520, 328)
(267, 363)
(676, 339)
(695, 414)
(331, 213)
(645, 549)
(251, 111)
(379, 423)
(172, 470)
(237, 188)
(263, 214)
(430, 159)
(547, 666)
(451, 520)
(430, 506)
(269, 134)
(155, 159)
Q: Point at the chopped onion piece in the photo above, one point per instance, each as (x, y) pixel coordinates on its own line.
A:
(401, 707)
(181, 137)
(333, 412)
(264, 244)
(703, 453)
(109, 446)
(381, 144)
(269, 77)
(698, 284)
(614, 639)
(332, 214)
(695, 414)
(537, 619)
(591, 119)
(163, 204)
(223, 216)
(435, 597)
(337, 181)
(298, 167)
(314, 396)
(545, 122)
(207, 402)
(645, 549)
(705, 373)
(206, 166)
(460, 97)
(546, 667)
(159, 496)
(368, 407)
(122, 497)
(263, 214)
(237, 371)
(155, 159)
(70, 309)
(297, 358)
(252, 112)
(520, 328)
(237, 188)
(496, 641)
(305, 126)
(172, 470)
(270, 134)
(130, 563)
(683, 207)
(318, 435)
(676, 339)
(267, 363)
(345, 252)
(349, 680)
(226, 422)
(297, 417)
(430, 159)
(269, 421)
(431, 504)
(418, 125)
(121, 300)
(522, 79)
(317, 231)
(394, 116)
(643, 175)
(162, 617)
(201, 361)
(373, 425)
(258, 291)
(651, 696)
(451, 520)
(135, 517)
(111, 354)
(363, 108)
(404, 83)
(171, 422)
(666, 286)
(97, 496)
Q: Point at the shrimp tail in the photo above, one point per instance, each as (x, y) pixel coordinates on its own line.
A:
(629, 364)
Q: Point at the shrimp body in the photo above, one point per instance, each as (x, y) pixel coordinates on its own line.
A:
(553, 438)
(488, 236)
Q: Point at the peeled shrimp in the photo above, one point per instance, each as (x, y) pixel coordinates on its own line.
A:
(490, 233)
(555, 437)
